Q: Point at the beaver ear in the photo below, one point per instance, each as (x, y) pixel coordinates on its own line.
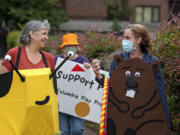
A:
(155, 65)
(117, 59)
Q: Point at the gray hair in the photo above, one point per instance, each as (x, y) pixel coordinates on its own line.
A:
(32, 26)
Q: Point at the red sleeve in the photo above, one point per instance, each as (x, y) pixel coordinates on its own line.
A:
(50, 60)
(13, 53)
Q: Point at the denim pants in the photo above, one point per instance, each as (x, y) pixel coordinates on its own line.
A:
(70, 125)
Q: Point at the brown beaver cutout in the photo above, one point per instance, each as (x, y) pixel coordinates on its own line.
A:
(134, 104)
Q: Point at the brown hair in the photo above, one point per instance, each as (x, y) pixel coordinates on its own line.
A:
(139, 30)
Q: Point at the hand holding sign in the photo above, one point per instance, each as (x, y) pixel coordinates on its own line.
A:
(96, 68)
(87, 65)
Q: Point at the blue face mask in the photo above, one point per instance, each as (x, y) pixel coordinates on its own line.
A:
(127, 46)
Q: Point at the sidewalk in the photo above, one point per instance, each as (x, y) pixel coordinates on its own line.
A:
(90, 128)
(88, 131)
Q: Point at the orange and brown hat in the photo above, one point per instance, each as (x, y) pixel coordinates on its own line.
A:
(69, 39)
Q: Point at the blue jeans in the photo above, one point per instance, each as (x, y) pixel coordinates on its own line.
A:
(70, 125)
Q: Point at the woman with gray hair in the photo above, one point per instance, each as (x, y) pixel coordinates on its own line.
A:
(28, 56)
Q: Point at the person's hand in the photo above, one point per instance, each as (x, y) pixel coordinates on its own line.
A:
(3, 69)
(96, 68)
(86, 65)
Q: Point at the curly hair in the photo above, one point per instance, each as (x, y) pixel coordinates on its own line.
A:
(139, 30)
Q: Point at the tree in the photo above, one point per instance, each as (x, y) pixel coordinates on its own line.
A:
(3, 44)
(15, 13)
(117, 10)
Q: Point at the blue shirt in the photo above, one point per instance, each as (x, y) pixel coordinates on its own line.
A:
(158, 76)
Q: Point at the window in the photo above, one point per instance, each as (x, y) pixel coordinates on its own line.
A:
(156, 14)
(147, 14)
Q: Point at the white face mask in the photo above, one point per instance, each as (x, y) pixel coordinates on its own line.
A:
(128, 46)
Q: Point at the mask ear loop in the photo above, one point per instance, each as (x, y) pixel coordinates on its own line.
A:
(137, 46)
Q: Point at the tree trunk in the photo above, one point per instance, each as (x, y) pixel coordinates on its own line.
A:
(3, 43)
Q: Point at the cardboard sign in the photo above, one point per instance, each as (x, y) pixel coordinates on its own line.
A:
(78, 92)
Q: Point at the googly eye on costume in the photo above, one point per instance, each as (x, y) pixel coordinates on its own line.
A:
(127, 73)
(137, 74)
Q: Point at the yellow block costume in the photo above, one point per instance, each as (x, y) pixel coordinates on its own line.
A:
(29, 107)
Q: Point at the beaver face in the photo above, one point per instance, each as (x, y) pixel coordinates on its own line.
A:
(131, 78)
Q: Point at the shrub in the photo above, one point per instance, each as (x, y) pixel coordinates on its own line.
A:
(166, 47)
(15, 13)
(99, 45)
(52, 45)
(13, 39)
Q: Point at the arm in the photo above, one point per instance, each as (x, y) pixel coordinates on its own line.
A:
(86, 63)
(5, 65)
(96, 68)
(112, 67)
(3, 69)
(160, 83)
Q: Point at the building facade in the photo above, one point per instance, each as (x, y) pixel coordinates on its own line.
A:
(85, 9)
(149, 11)
(84, 14)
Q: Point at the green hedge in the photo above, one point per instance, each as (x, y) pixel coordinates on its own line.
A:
(13, 39)
(96, 44)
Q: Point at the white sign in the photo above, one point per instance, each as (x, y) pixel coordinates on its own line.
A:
(78, 92)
